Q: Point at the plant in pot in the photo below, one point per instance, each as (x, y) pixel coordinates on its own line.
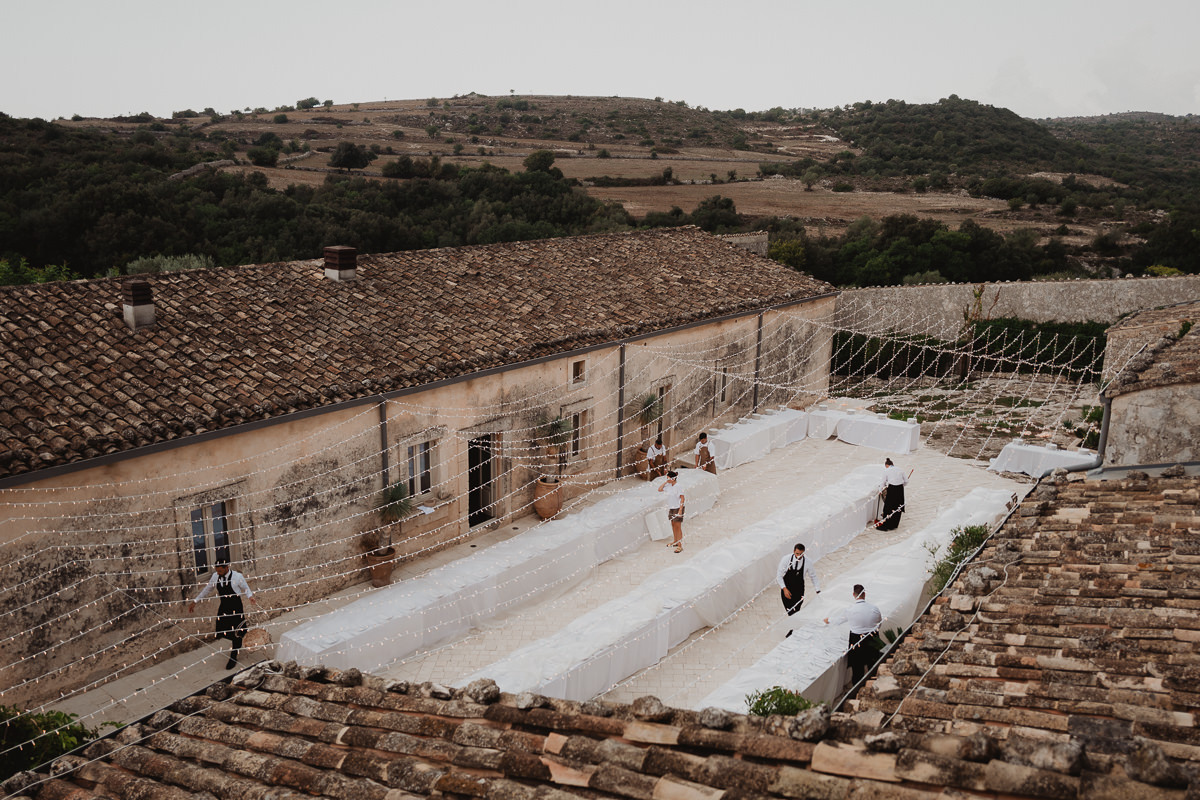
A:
(394, 506)
(553, 436)
(649, 412)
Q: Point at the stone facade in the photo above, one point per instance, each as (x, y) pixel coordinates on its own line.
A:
(109, 548)
(938, 308)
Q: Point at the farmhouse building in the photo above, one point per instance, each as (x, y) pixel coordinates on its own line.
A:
(151, 427)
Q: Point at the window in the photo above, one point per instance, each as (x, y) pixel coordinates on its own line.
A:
(662, 402)
(579, 372)
(420, 470)
(576, 432)
(210, 535)
(724, 385)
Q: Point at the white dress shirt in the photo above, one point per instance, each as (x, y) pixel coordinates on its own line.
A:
(235, 580)
(655, 451)
(810, 577)
(893, 476)
(862, 616)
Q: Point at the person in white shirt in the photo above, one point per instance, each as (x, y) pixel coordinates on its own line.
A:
(674, 509)
(864, 620)
(704, 457)
(790, 575)
(656, 459)
(231, 587)
(892, 488)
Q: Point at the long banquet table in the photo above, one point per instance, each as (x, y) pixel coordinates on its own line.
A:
(609, 643)
(449, 601)
(811, 659)
(753, 437)
(1038, 460)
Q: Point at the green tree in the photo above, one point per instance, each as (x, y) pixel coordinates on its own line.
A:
(263, 156)
(349, 155)
(787, 251)
(539, 161)
(309, 102)
(281, 119)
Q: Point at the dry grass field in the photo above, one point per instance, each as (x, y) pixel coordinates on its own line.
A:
(614, 137)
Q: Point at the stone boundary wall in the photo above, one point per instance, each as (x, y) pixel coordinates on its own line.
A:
(938, 308)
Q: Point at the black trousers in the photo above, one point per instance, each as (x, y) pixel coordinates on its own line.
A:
(859, 658)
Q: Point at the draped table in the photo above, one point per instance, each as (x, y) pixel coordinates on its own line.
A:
(811, 660)
(449, 601)
(1038, 460)
(609, 643)
(755, 436)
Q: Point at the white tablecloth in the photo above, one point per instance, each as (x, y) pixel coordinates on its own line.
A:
(757, 435)
(449, 601)
(1038, 460)
(879, 433)
(810, 660)
(609, 643)
(823, 422)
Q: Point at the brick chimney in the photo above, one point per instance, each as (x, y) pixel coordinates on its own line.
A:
(341, 263)
(138, 304)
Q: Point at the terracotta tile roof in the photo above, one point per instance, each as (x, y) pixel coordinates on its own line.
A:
(1085, 641)
(1171, 357)
(284, 731)
(249, 343)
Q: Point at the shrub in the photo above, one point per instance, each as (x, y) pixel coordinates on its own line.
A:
(263, 156)
(776, 700)
(965, 542)
(280, 119)
(51, 734)
(842, 186)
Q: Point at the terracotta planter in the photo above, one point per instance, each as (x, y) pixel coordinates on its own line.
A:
(380, 563)
(547, 497)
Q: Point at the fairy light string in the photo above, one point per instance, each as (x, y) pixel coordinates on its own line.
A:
(72, 542)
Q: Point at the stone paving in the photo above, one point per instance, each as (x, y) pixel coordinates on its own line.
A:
(692, 670)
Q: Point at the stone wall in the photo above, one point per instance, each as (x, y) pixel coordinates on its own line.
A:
(1155, 426)
(938, 308)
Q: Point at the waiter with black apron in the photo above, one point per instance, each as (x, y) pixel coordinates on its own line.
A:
(790, 575)
(231, 587)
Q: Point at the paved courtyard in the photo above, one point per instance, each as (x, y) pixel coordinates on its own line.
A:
(692, 670)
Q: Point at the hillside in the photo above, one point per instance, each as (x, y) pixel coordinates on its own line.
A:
(99, 193)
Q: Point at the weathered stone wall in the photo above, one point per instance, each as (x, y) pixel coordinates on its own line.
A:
(1155, 426)
(938, 308)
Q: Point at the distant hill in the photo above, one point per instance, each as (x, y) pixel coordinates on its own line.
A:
(99, 194)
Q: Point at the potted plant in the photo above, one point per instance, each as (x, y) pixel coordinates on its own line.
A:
(394, 506)
(554, 436)
(650, 411)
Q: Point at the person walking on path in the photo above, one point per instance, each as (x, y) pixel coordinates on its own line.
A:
(231, 587)
(656, 459)
(892, 488)
(864, 620)
(674, 509)
(704, 456)
(790, 575)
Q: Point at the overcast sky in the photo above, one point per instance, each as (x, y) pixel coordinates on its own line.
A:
(1040, 58)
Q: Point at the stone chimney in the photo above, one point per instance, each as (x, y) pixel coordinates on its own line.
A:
(138, 304)
(341, 263)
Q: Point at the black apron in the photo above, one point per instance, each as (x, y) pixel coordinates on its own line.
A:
(893, 507)
(793, 580)
(231, 617)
